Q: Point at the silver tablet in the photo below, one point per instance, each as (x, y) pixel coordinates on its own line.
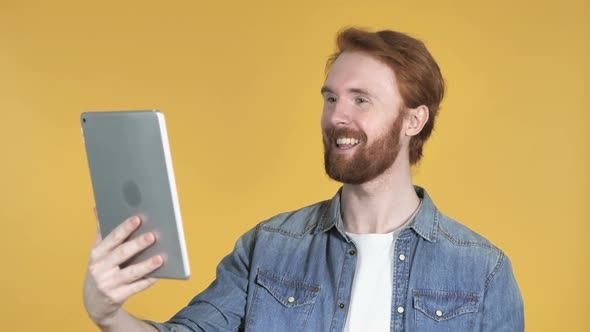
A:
(131, 172)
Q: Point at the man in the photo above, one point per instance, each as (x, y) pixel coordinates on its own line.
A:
(378, 256)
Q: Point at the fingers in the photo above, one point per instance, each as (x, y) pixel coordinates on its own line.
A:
(131, 289)
(129, 249)
(118, 284)
(107, 286)
(115, 238)
(138, 271)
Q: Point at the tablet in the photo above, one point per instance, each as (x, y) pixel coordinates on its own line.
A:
(131, 172)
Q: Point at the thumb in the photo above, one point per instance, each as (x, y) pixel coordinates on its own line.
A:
(98, 235)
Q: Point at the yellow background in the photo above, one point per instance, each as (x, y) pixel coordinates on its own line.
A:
(239, 83)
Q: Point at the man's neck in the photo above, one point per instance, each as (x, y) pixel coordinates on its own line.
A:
(381, 205)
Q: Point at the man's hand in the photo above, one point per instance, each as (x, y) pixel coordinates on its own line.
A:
(107, 286)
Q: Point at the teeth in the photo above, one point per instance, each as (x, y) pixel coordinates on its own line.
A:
(347, 141)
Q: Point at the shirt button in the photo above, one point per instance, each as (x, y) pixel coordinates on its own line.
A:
(439, 313)
(352, 252)
(291, 299)
(400, 310)
(341, 305)
(402, 257)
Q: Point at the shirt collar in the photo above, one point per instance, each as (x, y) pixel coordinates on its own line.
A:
(425, 222)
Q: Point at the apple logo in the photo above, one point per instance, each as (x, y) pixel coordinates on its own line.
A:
(131, 193)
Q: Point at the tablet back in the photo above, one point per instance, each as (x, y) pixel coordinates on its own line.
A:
(131, 170)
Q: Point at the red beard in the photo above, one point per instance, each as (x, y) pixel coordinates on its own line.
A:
(367, 162)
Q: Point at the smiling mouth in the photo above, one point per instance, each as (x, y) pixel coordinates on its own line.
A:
(345, 143)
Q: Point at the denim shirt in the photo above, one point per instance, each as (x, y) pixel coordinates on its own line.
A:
(294, 272)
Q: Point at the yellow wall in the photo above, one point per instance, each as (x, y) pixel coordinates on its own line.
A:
(239, 83)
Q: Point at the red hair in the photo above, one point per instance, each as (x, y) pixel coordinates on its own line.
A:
(417, 75)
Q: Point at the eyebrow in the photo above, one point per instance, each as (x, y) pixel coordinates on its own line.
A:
(326, 89)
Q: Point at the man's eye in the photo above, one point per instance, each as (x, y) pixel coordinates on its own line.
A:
(361, 100)
(331, 99)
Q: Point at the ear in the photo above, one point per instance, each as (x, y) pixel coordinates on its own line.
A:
(416, 118)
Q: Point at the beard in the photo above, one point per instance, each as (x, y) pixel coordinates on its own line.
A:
(368, 161)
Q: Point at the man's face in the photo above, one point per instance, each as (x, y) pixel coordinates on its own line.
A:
(361, 120)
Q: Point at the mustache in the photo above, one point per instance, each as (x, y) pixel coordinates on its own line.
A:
(332, 133)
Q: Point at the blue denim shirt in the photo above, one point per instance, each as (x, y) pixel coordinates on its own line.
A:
(294, 272)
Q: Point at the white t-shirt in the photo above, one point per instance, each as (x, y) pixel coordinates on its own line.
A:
(370, 302)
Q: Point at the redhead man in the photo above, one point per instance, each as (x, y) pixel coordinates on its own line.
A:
(378, 256)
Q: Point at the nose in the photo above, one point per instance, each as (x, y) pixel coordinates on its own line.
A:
(340, 114)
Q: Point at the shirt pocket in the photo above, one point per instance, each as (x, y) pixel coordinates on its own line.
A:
(445, 311)
(281, 301)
